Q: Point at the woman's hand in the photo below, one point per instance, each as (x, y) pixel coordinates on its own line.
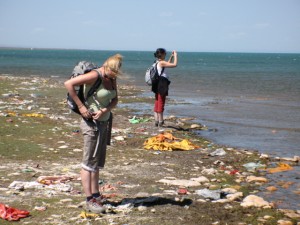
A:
(98, 114)
(84, 112)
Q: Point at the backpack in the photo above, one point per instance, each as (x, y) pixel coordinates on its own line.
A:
(152, 75)
(80, 69)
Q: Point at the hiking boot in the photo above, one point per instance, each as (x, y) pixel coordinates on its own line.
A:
(94, 207)
(156, 123)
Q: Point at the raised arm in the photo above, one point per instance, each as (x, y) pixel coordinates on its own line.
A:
(172, 62)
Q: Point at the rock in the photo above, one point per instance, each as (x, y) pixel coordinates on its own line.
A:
(66, 200)
(210, 171)
(267, 217)
(253, 200)
(291, 213)
(294, 159)
(250, 179)
(235, 196)
(200, 179)
(271, 188)
(142, 208)
(186, 183)
(63, 147)
(284, 222)
(142, 194)
(229, 190)
(194, 126)
(264, 156)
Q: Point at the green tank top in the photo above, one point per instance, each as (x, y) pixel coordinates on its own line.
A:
(100, 99)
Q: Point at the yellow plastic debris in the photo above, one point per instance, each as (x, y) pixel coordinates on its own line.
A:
(85, 215)
(40, 115)
(33, 115)
(167, 142)
(281, 168)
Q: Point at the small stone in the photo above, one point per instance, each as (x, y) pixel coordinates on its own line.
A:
(271, 188)
(194, 126)
(63, 147)
(142, 208)
(66, 200)
(284, 222)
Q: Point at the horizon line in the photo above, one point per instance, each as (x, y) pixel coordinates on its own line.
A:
(86, 49)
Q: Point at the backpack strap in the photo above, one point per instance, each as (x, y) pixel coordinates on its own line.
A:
(162, 71)
(94, 88)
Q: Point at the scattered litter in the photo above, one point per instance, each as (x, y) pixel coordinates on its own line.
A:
(47, 180)
(107, 187)
(156, 152)
(12, 214)
(253, 166)
(40, 115)
(22, 185)
(182, 191)
(135, 120)
(119, 138)
(166, 141)
(218, 152)
(210, 194)
(85, 215)
(281, 168)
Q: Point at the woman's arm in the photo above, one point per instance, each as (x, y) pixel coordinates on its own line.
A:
(70, 84)
(171, 63)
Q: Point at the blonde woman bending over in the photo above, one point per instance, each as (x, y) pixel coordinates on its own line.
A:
(94, 125)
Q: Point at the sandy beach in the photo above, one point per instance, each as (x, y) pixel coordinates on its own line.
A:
(40, 153)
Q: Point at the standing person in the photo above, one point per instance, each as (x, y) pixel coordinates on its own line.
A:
(94, 125)
(161, 87)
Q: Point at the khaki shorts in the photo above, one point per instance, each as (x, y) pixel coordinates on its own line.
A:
(94, 153)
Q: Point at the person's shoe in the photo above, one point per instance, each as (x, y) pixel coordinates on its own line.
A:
(161, 123)
(156, 123)
(100, 200)
(94, 207)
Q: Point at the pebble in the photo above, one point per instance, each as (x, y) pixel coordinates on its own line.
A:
(66, 200)
(284, 222)
(63, 147)
(142, 208)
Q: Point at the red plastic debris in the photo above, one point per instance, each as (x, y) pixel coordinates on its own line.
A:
(233, 172)
(182, 191)
(12, 214)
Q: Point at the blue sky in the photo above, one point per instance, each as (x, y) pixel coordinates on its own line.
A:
(189, 25)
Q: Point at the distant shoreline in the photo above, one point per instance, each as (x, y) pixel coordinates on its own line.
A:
(104, 50)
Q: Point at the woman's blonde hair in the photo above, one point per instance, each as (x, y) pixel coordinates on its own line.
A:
(113, 63)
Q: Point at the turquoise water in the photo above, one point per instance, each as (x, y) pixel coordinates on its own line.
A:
(247, 100)
(253, 100)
